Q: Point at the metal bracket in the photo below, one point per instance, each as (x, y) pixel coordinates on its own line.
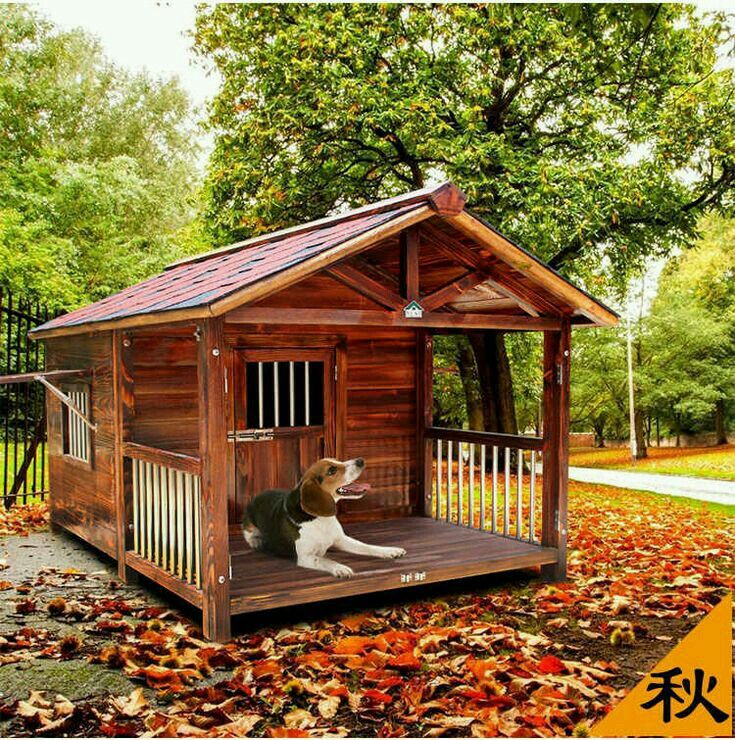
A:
(250, 435)
(66, 401)
(559, 374)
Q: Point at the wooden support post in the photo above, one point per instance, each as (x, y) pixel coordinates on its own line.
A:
(213, 450)
(424, 418)
(409, 281)
(557, 364)
(124, 400)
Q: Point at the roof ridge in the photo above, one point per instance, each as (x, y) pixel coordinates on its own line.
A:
(444, 197)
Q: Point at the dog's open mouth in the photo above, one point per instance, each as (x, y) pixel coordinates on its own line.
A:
(353, 490)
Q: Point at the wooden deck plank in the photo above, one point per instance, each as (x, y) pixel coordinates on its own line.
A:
(438, 550)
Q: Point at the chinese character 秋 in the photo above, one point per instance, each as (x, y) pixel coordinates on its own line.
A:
(667, 694)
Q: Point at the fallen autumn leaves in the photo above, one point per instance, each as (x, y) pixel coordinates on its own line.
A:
(516, 661)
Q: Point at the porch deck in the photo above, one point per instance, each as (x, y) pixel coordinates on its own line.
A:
(438, 550)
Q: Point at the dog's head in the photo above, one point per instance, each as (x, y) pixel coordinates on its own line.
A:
(327, 481)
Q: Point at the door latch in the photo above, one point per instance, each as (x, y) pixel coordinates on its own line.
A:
(250, 435)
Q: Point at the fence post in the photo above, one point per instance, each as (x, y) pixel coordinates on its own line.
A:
(557, 364)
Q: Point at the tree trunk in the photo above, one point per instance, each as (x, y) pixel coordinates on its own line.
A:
(658, 433)
(599, 429)
(640, 435)
(473, 399)
(496, 383)
(677, 429)
(720, 431)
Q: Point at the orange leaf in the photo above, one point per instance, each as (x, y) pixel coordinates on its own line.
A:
(551, 664)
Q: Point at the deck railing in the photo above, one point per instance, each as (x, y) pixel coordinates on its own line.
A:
(166, 501)
(487, 481)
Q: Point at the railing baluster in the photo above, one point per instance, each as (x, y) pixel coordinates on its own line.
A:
(471, 488)
(156, 514)
(189, 518)
(438, 477)
(164, 517)
(136, 507)
(149, 509)
(532, 488)
(506, 494)
(460, 482)
(180, 522)
(494, 495)
(197, 532)
(482, 487)
(448, 512)
(172, 520)
(519, 496)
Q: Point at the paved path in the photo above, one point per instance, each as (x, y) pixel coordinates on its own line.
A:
(703, 489)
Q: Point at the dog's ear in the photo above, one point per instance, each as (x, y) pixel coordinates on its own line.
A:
(315, 500)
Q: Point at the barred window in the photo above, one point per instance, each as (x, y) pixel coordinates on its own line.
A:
(77, 435)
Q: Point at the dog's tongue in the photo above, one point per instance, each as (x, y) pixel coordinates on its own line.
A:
(355, 489)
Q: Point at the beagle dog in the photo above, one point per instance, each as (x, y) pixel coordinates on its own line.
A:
(302, 523)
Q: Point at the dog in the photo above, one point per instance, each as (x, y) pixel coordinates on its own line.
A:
(302, 523)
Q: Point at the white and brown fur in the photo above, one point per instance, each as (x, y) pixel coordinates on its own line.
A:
(302, 523)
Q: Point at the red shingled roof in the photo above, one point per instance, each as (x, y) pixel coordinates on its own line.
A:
(203, 280)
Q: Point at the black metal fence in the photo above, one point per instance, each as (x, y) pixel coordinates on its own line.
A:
(23, 466)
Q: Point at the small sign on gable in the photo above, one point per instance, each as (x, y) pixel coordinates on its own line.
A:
(413, 310)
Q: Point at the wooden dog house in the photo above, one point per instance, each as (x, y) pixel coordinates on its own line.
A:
(176, 400)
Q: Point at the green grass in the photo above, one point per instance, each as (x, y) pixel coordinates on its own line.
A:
(696, 462)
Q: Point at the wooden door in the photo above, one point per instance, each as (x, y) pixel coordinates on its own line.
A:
(284, 417)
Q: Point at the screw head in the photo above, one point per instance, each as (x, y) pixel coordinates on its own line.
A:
(215, 352)
(221, 579)
(126, 342)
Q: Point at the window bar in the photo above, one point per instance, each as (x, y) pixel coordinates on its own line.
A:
(460, 482)
(291, 395)
(471, 511)
(438, 477)
(482, 487)
(506, 493)
(306, 393)
(448, 512)
(532, 512)
(494, 523)
(519, 496)
(156, 514)
(276, 414)
(136, 515)
(260, 395)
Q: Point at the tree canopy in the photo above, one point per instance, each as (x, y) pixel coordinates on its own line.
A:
(97, 165)
(593, 134)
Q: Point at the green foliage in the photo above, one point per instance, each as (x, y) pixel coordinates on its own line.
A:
(450, 408)
(684, 349)
(569, 126)
(690, 334)
(97, 166)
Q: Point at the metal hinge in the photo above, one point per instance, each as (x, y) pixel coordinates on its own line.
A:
(559, 374)
(226, 385)
(250, 435)
(556, 519)
(230, 567)
(335, 373)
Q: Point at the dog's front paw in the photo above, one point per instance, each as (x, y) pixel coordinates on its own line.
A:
(391, 553)
(342, 571)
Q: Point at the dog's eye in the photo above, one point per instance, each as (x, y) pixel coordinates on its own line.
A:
(332, 470)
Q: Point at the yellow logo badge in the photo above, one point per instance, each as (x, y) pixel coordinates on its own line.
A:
(688, 693)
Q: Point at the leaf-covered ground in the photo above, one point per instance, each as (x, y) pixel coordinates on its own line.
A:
(507, 656)
(701, 462)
